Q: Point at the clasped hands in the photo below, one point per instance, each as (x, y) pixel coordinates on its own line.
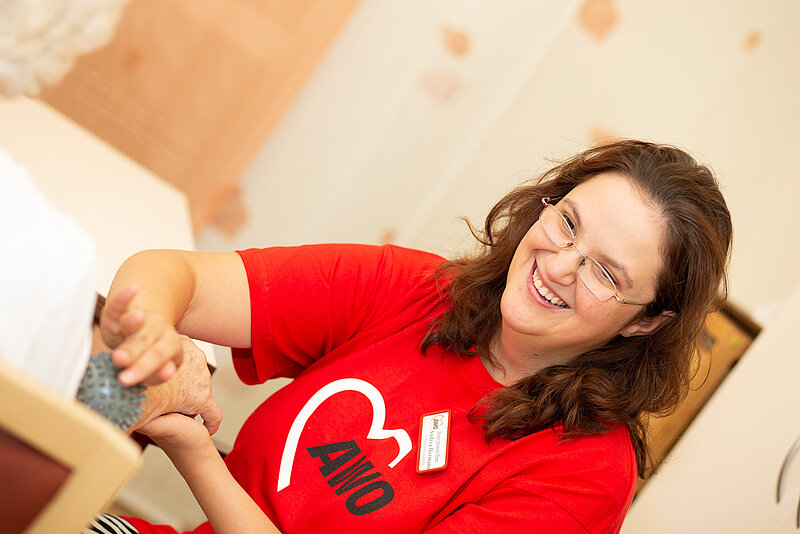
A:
(151, 351)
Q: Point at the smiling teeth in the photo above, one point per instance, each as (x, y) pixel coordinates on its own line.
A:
(544, 292)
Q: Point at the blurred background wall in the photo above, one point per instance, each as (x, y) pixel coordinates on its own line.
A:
(422, 112)
(380, 121)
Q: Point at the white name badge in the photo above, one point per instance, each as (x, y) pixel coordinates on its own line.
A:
(434, 442)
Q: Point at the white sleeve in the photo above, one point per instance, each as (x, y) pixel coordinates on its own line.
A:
(47, 281)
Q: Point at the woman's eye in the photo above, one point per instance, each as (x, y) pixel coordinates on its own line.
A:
(570, 225)
(603, 275)
(609, 276)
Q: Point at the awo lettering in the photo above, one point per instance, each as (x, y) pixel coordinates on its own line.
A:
(345, 471)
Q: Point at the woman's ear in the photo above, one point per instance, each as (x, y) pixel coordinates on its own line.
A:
(647, 325)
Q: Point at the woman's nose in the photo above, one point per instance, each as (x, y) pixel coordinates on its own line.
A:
(562, 268)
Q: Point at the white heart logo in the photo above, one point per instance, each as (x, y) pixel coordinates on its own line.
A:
(376, 430)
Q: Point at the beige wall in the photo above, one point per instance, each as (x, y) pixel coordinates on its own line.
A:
(392, 113)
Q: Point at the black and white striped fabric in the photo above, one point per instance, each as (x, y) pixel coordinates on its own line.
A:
(110, 524)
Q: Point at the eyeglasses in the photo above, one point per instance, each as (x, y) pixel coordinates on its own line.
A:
(560, 229)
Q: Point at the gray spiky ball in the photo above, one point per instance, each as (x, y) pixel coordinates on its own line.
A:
(102, 392)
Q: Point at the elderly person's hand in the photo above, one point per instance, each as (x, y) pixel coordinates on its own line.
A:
(187, 392)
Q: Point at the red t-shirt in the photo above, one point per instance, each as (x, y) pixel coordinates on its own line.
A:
(336, 450)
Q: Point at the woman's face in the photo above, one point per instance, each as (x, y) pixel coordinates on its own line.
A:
(615, 225)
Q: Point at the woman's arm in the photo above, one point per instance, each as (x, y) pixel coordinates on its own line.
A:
(158, 293)
(227, 506)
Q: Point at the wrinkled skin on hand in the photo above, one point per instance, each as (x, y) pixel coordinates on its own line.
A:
(188, 392)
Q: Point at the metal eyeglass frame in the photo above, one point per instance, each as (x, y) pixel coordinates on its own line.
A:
(546, 202)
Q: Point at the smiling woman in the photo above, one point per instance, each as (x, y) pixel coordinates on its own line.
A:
(658, 224)
(550, 313)
(500, 392)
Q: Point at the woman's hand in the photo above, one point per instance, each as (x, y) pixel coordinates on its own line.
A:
(228, 507)
(145, 343)
(178, 435)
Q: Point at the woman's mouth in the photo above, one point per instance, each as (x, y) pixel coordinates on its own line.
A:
(545, 293)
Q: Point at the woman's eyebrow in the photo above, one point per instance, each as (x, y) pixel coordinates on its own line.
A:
(619, 268)
(606, 261)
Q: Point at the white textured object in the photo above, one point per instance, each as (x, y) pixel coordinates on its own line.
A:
(47, 280)
(40, 39)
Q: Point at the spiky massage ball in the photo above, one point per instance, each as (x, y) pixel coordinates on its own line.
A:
(102, 392)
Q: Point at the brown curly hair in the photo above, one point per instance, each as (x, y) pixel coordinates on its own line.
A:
(627, 377)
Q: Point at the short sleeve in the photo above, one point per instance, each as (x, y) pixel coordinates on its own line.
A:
(307, 301)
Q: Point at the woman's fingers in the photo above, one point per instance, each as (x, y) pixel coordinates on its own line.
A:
(175, 432)
(152, 360)
(161, 427)
(164, 373)
(136, 343)
(118, 304)
(132, 321)
(111, 319)
(145, 344)
(212, 417)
